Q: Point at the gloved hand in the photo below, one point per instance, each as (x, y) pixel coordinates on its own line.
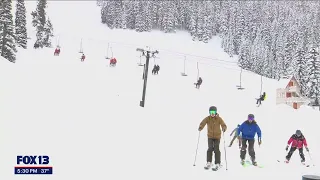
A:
(199, 129)
(287, 147)
(307, 149)
(259, 141)
(223, 129)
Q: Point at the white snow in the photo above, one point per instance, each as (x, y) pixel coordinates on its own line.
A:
(86, 115)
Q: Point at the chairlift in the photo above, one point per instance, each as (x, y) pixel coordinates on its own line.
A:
(81, 48)
(140, 64)
(239, 86)
(184, 67)
(109, 47)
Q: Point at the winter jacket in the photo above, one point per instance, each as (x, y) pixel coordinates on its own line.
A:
(248, 130)
(297, 142)
(213, 126)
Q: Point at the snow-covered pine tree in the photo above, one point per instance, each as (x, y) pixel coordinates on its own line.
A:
(168, 21)
(192, 18)
(207, 23)
(21, 24)
(244, 54)
(200, 21)
(240, 27)
(148, 10)
(7, 38)
(129, 14)
(181, 14)
(1, 25)
(300, 71)
(313, 66)
(140, 23)
(107, 13)
(43, 26)
(48, 33)
(118, 15)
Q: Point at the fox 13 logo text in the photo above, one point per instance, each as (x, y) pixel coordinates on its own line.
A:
(33, 165)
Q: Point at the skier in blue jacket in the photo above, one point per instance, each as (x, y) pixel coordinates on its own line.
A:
(248, 130)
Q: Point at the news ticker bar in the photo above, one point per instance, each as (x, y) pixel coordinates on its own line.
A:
(33, 170)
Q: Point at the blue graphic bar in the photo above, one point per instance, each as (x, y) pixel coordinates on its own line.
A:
(33, 170)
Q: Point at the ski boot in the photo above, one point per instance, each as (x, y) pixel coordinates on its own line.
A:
(208, 165)
(254, 162)
(287, 161)
(217, 167)
(242, 161)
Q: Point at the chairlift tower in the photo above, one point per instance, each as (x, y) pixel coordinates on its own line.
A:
(147, 54)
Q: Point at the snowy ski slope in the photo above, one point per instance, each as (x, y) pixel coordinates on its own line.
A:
(86, 115)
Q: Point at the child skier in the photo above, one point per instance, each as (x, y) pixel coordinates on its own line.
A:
(236, 135)
(297, 141)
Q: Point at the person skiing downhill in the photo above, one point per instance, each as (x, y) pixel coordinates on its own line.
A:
(248, 130)
(213, 122)
(297, 141)
(236, 135)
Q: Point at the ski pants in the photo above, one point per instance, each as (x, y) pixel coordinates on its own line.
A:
(258, 101)
(213, 146)
(244, 149)
(234, 138)
(291, 151)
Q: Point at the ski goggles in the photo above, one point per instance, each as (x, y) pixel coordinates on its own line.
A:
(213, 112)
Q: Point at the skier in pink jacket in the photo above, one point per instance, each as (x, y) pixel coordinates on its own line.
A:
(297, 141)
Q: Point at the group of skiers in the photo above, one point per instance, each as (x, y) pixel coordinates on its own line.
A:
(245, 133)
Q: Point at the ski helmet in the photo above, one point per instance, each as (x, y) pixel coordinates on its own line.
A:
(298, 133)
(213, 108)
(250, 117)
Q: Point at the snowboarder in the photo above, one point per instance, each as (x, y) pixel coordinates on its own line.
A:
(213, 122)
(56, 51)
(83, 57)
(198, 83)
(297, 141)
(157, 69)
(248, 130)
(261, 98)
(236, 135)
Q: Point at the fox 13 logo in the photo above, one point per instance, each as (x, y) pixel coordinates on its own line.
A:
(33, 165)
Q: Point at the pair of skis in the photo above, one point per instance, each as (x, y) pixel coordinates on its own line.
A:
(248, 163)
(287, 162)
(213, 169)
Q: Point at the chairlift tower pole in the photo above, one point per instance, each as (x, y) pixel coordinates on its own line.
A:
(145, 73)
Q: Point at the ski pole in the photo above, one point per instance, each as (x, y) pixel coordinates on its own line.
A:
(225, 152)
(311, 158)
(195, 158)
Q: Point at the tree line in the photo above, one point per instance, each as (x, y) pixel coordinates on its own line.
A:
(14, 33)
